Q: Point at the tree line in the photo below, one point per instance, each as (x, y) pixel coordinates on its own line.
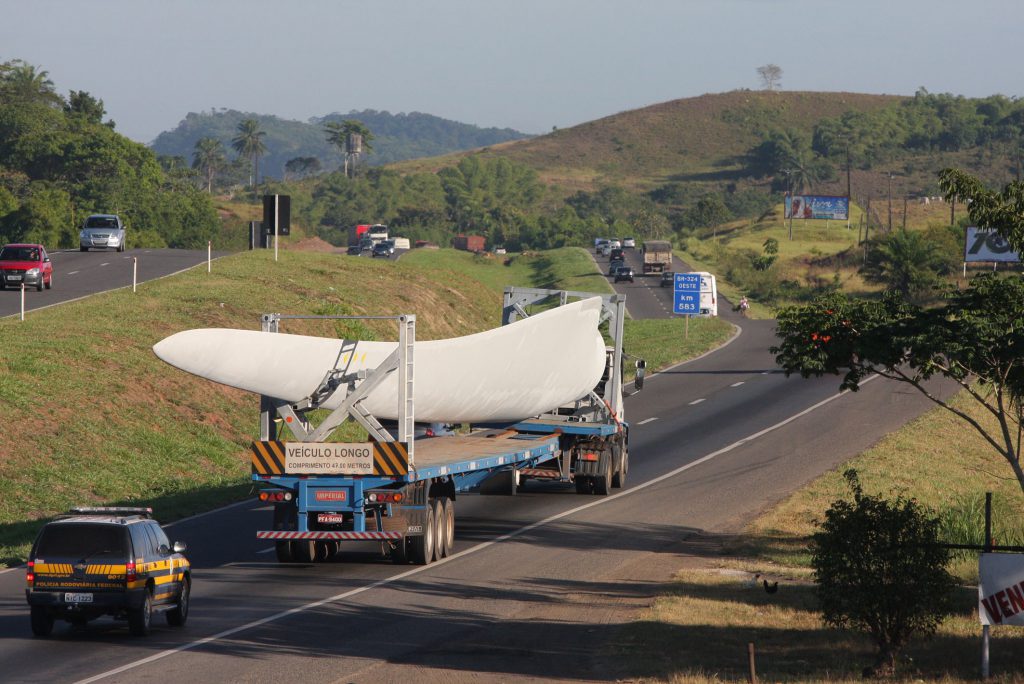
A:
(60, 161)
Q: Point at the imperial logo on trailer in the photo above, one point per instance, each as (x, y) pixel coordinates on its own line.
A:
(330, 495)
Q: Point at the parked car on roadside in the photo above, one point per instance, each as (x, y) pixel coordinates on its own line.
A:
(102, 231)
(25, 264)
(624, 273)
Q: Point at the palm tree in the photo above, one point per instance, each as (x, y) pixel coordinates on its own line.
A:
(25, 82)
(249, 143)
(208, 157)
(339, 135)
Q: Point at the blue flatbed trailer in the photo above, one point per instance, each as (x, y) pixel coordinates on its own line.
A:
(408, 504)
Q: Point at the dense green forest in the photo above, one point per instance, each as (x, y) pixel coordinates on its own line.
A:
(60, 161)
(397, 137)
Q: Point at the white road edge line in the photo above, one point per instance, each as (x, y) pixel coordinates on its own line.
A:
(737, 384)
(649, 420)
(696, 401)
(479, 547)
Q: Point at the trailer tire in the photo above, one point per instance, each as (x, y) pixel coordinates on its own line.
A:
(619, 479)
(304, 550)
(283, 550)
(325, 549)
(446, 531)
(603, 482)
(400, 554)
(421, 548)
(439, 531)
(582, 483)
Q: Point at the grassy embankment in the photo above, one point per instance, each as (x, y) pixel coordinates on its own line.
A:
(699, 629)
(92, 417)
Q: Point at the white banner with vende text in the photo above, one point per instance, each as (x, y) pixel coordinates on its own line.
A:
(1001, 589)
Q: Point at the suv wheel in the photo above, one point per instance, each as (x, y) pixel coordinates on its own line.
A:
(140, 619)
(42, 621)
(176, 616)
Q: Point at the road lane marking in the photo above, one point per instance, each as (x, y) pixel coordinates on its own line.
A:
(645, 422)
(72, 273)
(219, 636)
(737, 384)
(105, 264)
(696, 401)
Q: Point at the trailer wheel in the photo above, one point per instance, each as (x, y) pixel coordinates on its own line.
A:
(603, 482)
(439, 529)
(304, 550)
(283, 549)
(421, 548)
(446, 528)
(400, 554)
(582, 483)
(619, 479)
(325, 550)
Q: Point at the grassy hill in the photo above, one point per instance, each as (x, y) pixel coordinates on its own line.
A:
(700, 139)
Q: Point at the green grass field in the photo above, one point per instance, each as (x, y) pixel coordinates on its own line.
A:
(94, 418)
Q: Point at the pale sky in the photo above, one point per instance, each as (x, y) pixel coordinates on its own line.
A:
(523, 64)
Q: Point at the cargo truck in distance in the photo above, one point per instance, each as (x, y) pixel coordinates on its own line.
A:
(407, 502)
(657, 256)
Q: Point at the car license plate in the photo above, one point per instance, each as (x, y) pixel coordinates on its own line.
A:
(12, 277)
(77, 598)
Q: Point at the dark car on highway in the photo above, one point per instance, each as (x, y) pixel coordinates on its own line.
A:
(667, 279)
(381, 250)
(25, 264)
(617, 253)
(106, 561)
(354, 250)
(624, 273)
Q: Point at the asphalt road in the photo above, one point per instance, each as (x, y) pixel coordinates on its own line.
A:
(79, 274)
(537, 579)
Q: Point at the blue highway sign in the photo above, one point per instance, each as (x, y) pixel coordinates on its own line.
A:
(686, 294)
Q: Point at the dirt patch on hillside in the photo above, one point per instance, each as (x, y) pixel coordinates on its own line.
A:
(315, 244)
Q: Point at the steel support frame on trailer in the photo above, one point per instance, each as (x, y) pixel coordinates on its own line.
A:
(613, 310)
(357, 386)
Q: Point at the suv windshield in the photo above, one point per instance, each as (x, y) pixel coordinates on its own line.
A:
(82, 541)
(100, 222)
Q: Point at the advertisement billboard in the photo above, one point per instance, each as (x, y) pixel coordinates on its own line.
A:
(818, 207)
(987, 245)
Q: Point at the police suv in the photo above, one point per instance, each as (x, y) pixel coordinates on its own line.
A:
(106, 561)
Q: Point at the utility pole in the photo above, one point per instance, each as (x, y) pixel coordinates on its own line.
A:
(890, 201)
(904, 213)
(849, 193)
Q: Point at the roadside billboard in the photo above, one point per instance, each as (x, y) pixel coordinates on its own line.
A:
(987, 245)
(818, 207)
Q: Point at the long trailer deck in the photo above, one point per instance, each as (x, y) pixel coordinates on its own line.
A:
(453, 455)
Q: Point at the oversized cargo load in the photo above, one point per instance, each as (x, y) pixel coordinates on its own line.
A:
(657, 256)
(504, 374)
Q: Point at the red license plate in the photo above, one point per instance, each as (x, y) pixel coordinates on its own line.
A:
(330, 495)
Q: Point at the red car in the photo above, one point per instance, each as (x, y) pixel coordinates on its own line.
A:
(25, 264)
